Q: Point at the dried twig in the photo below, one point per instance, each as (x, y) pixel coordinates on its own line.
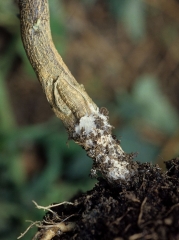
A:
(141, 212)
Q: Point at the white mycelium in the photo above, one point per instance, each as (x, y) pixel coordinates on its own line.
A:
(86, 123)
(94, 133)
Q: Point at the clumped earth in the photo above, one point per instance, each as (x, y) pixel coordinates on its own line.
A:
(145, 208)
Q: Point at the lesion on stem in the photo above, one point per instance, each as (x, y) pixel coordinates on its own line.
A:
(86, 124)
(67, 98)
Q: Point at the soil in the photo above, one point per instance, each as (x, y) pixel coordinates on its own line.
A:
(147, 207)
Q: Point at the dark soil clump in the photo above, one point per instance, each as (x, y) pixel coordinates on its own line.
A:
(146, 208)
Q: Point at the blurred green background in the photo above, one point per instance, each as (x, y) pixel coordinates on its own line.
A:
(126, 53)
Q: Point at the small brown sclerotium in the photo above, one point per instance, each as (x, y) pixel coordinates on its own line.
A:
(104, 111)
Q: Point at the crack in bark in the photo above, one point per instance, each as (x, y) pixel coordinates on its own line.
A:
(86, 124)
(48, 64)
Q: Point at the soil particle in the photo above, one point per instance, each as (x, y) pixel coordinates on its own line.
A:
(146, 208)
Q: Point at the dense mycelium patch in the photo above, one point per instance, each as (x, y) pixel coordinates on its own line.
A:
(94, 134)
(87, 123)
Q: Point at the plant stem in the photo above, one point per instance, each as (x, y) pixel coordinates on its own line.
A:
(86, 125)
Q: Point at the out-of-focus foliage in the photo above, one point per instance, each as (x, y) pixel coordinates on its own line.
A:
(132, 14)
(140, 110)
(126, 54)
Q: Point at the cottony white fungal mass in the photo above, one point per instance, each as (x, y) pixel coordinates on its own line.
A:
(87, 123)
(102, 147)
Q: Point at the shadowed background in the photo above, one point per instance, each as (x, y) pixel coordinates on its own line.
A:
(126, 54)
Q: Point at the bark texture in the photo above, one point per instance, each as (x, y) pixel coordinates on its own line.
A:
(67, 98)
(86, 124)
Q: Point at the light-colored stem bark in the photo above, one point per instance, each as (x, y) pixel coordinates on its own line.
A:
(85, 123)
(67, 98)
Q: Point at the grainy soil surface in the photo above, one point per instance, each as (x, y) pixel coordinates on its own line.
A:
(145, 208)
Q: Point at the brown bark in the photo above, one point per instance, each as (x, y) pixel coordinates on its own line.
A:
(87, 125)
(67, 98)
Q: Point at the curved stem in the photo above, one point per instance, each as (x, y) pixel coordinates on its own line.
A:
(86, 125)
(67, 98)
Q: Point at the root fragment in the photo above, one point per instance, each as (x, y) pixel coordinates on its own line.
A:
(49, 228)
